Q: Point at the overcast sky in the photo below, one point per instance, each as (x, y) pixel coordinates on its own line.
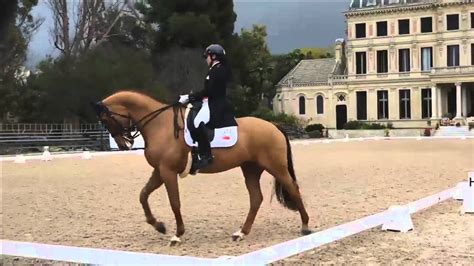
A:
(290, 24)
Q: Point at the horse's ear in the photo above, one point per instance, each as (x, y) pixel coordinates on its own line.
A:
(99, 107)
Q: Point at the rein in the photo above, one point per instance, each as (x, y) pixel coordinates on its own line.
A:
(149, 117)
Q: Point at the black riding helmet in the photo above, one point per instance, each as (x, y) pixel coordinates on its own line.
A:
(215, 49)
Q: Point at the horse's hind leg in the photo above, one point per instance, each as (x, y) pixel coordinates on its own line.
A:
(252, 173)
(153, 183)
(294, 198)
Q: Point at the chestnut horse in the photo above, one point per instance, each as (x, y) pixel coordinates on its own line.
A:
(261, 146)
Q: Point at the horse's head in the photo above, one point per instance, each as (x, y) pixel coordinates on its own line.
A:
(118, 122)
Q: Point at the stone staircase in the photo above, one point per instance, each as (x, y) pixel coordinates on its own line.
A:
(453, 131)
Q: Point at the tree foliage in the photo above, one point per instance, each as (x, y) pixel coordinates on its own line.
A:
(190, 24)
(252, 62)
(182, 29)
(64, 92)
(16, 29)
(147, 45)
(93, 22)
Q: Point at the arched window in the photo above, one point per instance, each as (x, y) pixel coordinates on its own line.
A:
(320, 105)
(302, 103)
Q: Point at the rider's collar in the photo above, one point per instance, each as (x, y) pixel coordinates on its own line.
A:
(213, 64)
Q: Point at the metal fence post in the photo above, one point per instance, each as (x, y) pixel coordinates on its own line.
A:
(101, 136)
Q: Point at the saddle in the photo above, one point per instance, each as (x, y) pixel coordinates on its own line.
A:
(221, 137)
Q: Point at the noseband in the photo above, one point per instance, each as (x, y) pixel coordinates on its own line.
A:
(126, 132)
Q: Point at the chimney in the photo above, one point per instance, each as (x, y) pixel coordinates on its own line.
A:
(339, 50)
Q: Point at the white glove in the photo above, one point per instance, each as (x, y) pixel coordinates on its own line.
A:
(183, 98)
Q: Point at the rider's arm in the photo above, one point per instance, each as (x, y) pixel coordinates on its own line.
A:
(197, 96)
(216, 82)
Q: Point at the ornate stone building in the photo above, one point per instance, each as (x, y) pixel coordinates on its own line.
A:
(405, 62)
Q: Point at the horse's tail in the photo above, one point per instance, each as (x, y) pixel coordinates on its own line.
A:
(282, 195)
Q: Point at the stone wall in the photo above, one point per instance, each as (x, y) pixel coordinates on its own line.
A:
(339, 134)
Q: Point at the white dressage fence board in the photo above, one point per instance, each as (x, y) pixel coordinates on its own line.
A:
(468, 195)
(429, 201)
(459, 193)
(305, 243)
(96, 256)
(313, 141)
(398, 219)
(138, 142)
(298, 245)
(72, 155)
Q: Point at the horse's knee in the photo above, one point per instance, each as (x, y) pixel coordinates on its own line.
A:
(256, 203)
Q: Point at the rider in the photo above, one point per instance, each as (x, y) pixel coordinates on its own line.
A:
(215, 91)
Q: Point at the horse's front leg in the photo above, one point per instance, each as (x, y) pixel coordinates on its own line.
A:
(153, 183)
(170, 178)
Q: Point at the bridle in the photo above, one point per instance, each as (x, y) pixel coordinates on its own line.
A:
(126, 132)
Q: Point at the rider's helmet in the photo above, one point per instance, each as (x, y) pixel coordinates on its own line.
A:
(215, 49)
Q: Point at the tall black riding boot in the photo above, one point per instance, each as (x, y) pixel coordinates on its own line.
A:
(204, 149)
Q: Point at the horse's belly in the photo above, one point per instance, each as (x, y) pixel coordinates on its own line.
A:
(225, 159)
(218, 166)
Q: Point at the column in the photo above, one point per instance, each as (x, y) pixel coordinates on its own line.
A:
(458, 99)
(283, 103)
(331, 110)
(372, 104)
(464, 101)
(440, 109)
(434, 101)
(393, 104)
(416, 102)
(351, 101)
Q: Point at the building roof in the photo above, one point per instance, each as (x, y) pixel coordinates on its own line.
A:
(369, 7)
(309, 71)
(358, 4)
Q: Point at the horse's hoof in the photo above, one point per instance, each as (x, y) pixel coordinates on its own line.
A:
(238, 236)
(235, 238)
(306, 232)
(175, 241)
(160, 227)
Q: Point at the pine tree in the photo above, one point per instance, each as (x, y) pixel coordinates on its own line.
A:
(190, 23)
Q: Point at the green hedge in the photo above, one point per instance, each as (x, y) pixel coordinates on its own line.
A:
(293, 125)
(314, 127)
(315, 134)
(364, 125)
(267, 114)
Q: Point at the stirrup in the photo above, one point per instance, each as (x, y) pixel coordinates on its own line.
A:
(199, 163)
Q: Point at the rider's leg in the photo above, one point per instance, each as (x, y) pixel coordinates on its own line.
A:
(204, 146)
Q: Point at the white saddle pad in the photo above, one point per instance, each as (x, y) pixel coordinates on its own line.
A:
(223, 137)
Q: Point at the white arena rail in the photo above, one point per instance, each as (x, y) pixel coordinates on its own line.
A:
(293, 142)
(96, 256)
(70, 155)
(313, 141)
(305, 243)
